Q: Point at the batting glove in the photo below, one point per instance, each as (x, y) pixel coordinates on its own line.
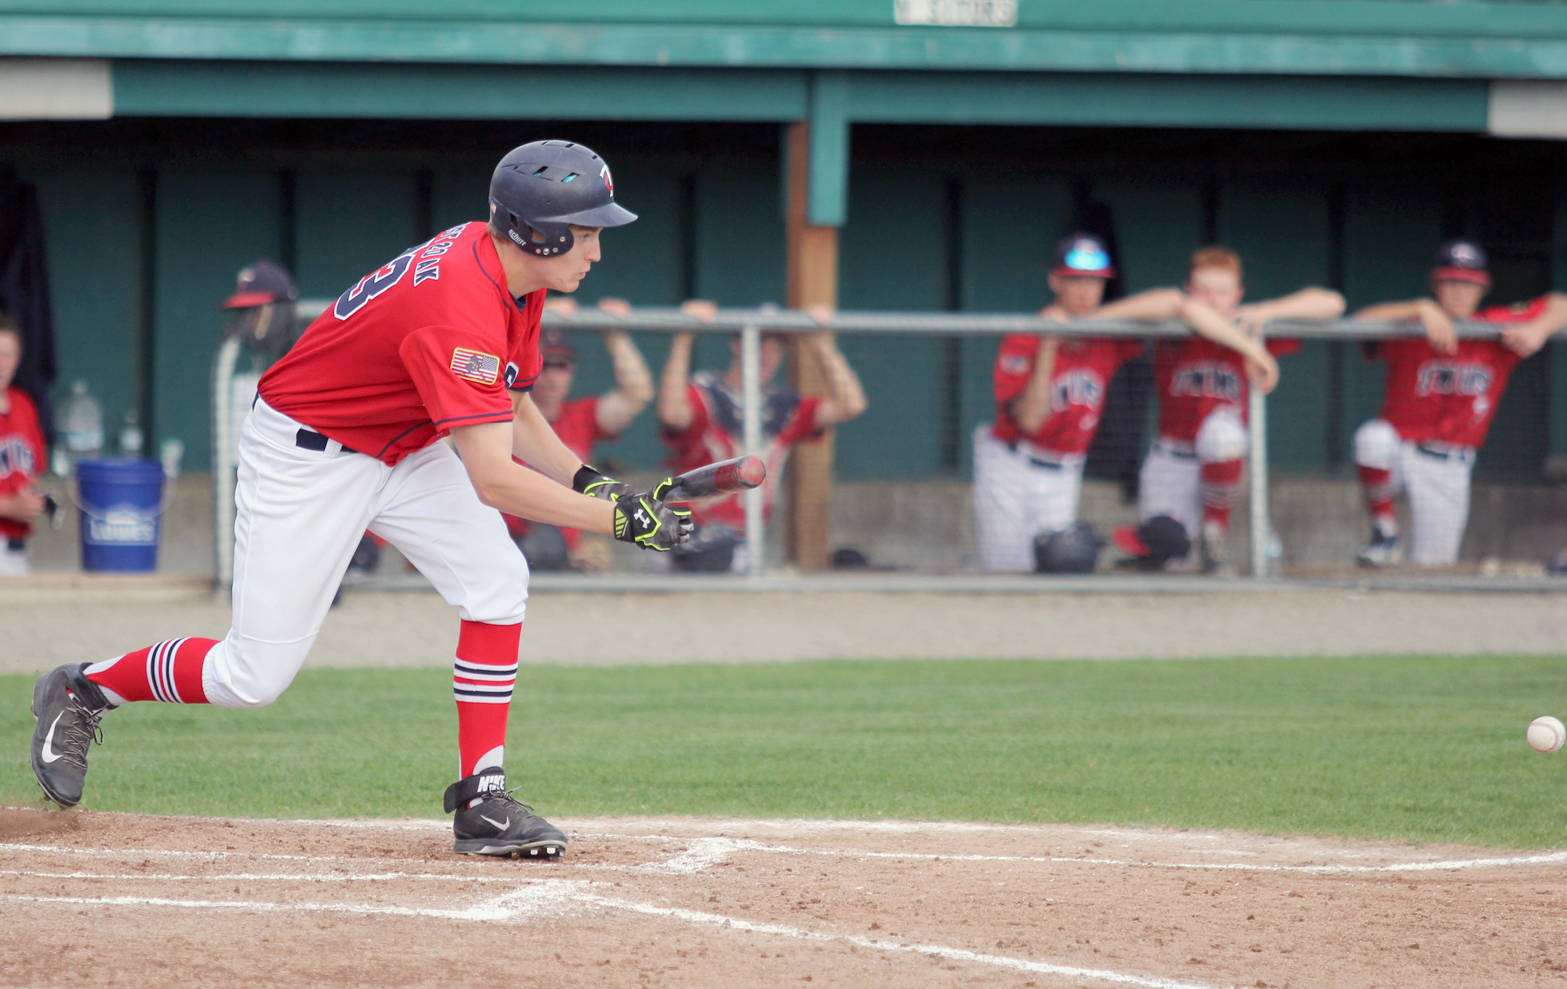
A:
(596, 485)
(645, 521)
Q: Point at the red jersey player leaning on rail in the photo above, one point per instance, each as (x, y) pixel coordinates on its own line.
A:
(1442, 393)
(1193, 469)
(345, 436)
(1049, 392)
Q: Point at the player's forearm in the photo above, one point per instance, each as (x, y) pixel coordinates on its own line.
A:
(1032, 407)
(533, 440)
(633, 380)
(1311, 302)
(1208, 322)
(522, 491)
(1391, 312)
(1150, 306)
(674, 404)
(845, 398)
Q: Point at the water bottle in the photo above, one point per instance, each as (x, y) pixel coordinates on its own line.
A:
(131, 439)
(81, 425)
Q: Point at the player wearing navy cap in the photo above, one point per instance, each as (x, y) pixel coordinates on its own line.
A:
(1442, 393)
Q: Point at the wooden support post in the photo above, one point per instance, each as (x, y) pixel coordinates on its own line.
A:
(812, 280)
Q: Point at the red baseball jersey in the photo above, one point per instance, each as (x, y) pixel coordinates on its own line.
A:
(1196, 376)
(715, 434)
(431, 340)
(1450, 399)
(22, 454)
(1078, 382)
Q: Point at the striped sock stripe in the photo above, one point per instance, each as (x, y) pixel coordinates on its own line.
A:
(160, 670)
(479, 684)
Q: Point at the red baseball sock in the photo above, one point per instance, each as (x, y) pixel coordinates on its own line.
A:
(1220, 485)
(1377, 485)
(482, 679)
(169, 671)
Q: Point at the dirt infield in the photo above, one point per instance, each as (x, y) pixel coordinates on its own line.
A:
(128, 900)
(113, 899)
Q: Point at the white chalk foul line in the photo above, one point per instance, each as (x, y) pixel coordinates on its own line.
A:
(557, 896)
(548, 895)
(938, 951)
(710, 851)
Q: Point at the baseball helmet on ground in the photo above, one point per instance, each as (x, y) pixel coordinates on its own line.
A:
(1074, 549)
(540, 189)
(1154, 542)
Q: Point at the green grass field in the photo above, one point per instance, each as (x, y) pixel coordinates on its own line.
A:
(1419, 748)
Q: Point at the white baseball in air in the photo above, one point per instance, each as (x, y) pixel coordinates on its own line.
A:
(1546, 734)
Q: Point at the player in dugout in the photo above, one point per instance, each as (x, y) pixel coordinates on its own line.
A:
(700, 416)
(1192, 473)
(1442, 393)
(1049, 393)
(23, 454)
(346, 435)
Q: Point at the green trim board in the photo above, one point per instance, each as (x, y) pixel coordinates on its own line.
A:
(472, 92)
(1525, 41)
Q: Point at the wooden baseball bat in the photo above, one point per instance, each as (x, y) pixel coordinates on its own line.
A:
(724, 477)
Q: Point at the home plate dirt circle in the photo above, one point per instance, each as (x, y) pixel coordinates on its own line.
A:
(133, 900)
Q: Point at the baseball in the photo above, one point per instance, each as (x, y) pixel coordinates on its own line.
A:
(1546, 734)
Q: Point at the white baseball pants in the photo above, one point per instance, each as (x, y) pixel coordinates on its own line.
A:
(1019, 492)
(1435, 478)
(299, 515)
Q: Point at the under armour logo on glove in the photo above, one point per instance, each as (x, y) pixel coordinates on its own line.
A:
(647, 522)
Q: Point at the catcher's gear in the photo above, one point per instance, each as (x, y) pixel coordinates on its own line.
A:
(544, 547)
(644, 520)
(594, 484)
(1074, 549)
(540, 189)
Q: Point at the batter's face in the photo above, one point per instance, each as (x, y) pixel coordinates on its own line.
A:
(566, 272)
(1078, 294)
(1459, 299)
(10, 357)
(1216, 287)
(527, 273)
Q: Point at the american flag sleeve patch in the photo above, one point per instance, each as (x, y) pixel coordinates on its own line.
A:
(476, 366)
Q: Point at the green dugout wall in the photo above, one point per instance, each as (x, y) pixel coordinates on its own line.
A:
(1330, 142)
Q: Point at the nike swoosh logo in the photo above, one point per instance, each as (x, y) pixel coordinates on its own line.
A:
(49, 754)
(497, 825)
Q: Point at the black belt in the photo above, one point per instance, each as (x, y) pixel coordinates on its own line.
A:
(1035, 461)
(1175, 451)
(1445, 453)
(16, 543)
(309, 439)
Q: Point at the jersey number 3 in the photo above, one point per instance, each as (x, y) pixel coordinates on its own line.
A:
(373, 284)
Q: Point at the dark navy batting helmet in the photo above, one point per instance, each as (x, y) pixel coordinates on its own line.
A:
(540, 189)
(1074, 549)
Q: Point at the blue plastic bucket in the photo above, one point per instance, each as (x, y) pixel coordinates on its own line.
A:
(121, 505)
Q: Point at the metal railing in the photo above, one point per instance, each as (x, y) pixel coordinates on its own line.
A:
(750, 324)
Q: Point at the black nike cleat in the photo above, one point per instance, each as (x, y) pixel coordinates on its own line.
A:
(498, 823)
(68, 708)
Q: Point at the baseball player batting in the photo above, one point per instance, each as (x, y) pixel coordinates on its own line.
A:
(1442, 393)
(345, 436)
